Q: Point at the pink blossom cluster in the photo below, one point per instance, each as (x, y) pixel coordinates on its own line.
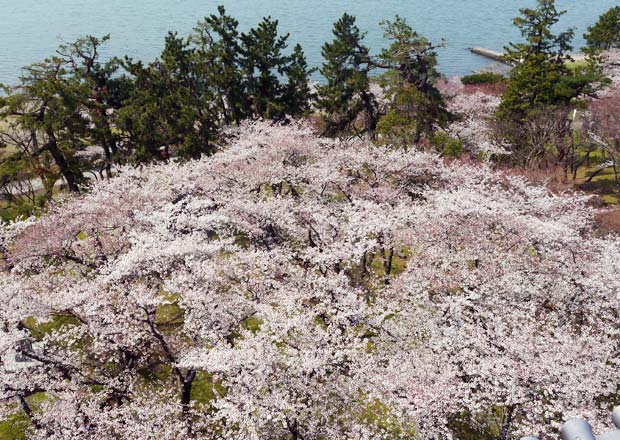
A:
(476, 110)
(297, 287)
(611, 67)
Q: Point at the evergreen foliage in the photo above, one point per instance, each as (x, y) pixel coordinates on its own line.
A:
(102, 93)
(297, 92)
(605, 33)
(217, 43)
(346, 96)
(74, 114)
(262, 61)
(482, 78)
(170, 105)
(45, 117)
(416, 107)
(541, 76)
(539, 62)
(533, 117)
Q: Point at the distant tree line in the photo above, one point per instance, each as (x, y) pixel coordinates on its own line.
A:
(74, 113)
(139, 112)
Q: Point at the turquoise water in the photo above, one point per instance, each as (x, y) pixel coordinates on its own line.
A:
(30, 29)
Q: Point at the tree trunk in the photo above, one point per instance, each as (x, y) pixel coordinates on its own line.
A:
(186, 397)
(294, 430)
(70, 176)
(108, 159)
(388, 258)
(371, 114)
(28, 411)
(187, 389)
(507, 423)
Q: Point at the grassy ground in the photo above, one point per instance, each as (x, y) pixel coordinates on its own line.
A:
(603, 185)
(579, 61)
(15, 426)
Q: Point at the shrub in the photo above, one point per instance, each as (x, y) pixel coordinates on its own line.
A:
(447, 145)
(483, 78)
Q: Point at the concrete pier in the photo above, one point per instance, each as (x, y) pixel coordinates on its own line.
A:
(499, 56)
(488, 53)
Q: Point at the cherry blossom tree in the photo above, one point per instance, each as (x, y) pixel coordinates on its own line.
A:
(476, 114)
(295, 287)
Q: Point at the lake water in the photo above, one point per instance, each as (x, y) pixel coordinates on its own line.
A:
(30, 29)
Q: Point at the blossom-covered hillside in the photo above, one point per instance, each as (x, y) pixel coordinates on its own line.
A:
(293, 287)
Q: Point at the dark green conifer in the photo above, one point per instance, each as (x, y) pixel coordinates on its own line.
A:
(102, 92)
(217, 45)
(263, 62)
(169, 105)
(542, 76)
(346, 96)
(297, 95)
(44, 117)
(416, 107)
(605, 33)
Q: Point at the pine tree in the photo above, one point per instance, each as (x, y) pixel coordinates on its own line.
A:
(44, 117)
(297, 94)
(541, 77)
(605, 34)
(250, 74)
(102, 90)
(416, 106)
(217, 45)
(263, 62)
(346, 96)
(539, 62)
(169, 105)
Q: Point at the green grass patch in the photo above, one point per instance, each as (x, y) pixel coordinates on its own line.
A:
(58, 323)
(485, 426)
(156, 375)
(14, 427)
(170, 313)
(603, 184)
(380, 416)
(81, 236)
(577, 64)
(243, 240)
(205, 389)
(251, 324)
(482, 78)
(399, 263)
